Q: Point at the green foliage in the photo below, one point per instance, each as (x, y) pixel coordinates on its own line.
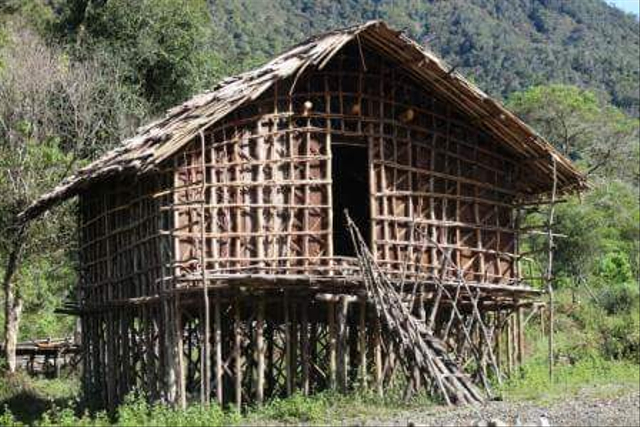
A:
(56, 114)
(620, 298)
(601, 138)
(593, 346)
(296, 409)
(38, 14)
(322, 408)
(165, 44)
(601, 246)
(607, 326)
(504, 46)
(24, 400)
(533, 382)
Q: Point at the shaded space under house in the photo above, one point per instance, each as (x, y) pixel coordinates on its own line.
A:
(215, 259)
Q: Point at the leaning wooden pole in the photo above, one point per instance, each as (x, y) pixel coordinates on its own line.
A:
(420, 351)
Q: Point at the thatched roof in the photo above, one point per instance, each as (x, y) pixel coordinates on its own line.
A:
(161, 139)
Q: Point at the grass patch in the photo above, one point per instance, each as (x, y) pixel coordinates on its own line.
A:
(27, 399)
(331, 408)
(571, 375)
(533, 383)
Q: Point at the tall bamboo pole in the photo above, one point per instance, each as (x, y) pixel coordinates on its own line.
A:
(206, 365)
(549, 273)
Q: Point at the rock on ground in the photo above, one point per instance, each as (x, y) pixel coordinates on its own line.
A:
(590, 407)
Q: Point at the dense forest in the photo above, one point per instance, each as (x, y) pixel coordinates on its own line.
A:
(78, 76)
(503, 45)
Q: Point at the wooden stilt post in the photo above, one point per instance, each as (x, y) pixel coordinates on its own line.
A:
(218, 342)
(362, 337)
(498, 335)
(182, 383)
(294, 345)
(260, 350)
(520, 337)
(342, 344)
(288, 355)
(509, 345)
(332, 343)
(237, 348)
(270, 374)
(377, 354)
(304, 333)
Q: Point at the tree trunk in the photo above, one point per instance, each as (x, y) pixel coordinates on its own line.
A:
(12, 302)
(12, 312)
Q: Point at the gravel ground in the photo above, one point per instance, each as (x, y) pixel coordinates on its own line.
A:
(590, 407)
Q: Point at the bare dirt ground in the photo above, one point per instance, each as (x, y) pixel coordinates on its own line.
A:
(596, 406)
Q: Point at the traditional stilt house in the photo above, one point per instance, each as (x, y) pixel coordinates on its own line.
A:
(215, 260)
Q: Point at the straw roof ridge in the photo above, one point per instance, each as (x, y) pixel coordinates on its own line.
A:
(162, 138)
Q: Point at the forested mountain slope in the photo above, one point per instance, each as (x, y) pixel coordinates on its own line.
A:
(503, 45)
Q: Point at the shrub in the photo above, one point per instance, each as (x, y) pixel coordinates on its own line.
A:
(620, 298)
(297, 408)
(621, 337)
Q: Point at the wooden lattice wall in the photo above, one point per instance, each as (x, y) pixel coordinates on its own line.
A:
(268, 198)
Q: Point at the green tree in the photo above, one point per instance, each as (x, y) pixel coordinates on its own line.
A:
(55, 113)
(601, 138)
(601, 229)
(166, 44)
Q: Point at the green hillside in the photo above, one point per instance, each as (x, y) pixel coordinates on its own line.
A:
(503, 45)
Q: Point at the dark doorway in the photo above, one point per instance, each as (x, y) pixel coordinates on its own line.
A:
(350, 190)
